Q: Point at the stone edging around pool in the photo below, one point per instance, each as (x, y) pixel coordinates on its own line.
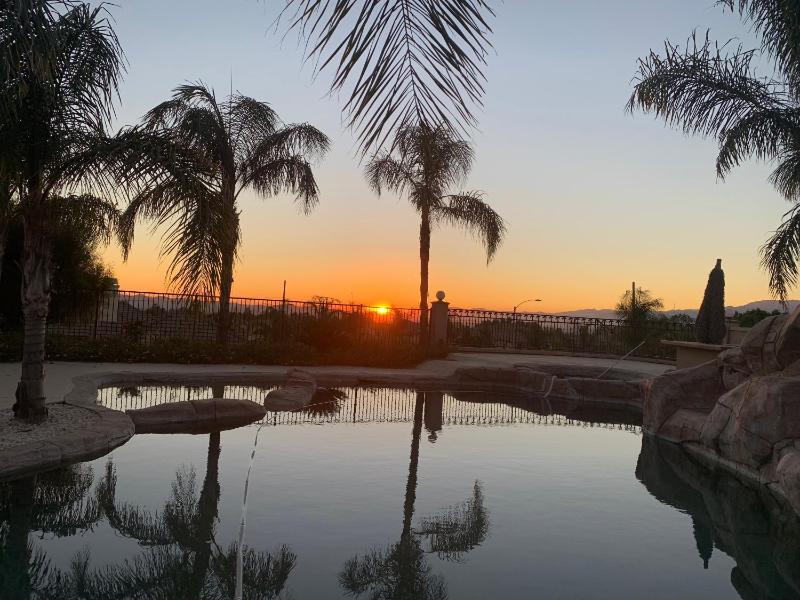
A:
(113, 429)
(578, 384)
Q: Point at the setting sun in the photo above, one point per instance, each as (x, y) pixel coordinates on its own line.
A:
(382, 310)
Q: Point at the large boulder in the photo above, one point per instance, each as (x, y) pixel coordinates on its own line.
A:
(773, 344)
(196, 416)
(695, 389)
(296, 393)
(748, 421)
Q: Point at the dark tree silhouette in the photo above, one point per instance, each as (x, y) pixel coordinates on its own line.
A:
(710, 324)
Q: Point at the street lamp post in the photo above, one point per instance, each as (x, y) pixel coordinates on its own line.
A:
(514, 318)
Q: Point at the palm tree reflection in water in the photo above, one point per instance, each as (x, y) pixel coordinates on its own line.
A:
(401, 571)
(184, 560)
(55, 503)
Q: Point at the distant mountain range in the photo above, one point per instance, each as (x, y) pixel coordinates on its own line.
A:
(610, 313)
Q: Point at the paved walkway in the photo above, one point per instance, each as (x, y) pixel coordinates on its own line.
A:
(59, 375)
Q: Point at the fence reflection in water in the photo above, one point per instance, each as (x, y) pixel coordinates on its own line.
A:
(376, 405)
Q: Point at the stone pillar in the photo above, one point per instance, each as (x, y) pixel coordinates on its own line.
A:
(438, 322)
(109, 303)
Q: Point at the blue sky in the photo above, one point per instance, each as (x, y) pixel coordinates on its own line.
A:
(594, 197)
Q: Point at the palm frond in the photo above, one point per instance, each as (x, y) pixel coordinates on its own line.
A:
(251, 122)
(703, 90)
(292, 174)
(383, 171)
(95, 219)
(469, 211)
(762, 134)
(400, 61)
(778, 25)
(445, 159)
(779, 255)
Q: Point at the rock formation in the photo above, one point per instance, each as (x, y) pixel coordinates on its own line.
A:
(741, 409)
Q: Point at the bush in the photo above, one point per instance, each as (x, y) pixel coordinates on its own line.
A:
(751, 317)
(128, 350)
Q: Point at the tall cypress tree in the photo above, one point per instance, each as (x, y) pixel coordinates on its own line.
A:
(710, 325)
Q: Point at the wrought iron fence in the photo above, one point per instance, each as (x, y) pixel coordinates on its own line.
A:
(147, 316)
(528, 331)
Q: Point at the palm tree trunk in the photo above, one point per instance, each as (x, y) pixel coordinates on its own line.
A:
(30, 404)
(3, 237)
(424, 260)
(207, 514)
(226, 285)
(231, 236)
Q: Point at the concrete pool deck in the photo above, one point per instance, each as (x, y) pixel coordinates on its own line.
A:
(60, 376)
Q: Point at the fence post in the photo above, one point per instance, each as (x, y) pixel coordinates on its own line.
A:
(438, 323)
(97, 299)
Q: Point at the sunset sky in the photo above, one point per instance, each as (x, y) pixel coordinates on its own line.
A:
(594, 198)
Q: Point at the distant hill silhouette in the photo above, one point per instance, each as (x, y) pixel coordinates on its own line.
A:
(610, 313)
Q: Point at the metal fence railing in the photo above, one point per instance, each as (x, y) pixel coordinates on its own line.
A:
(528, 331)
(147, 316)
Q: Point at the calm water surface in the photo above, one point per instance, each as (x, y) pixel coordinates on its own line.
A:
(396, 494)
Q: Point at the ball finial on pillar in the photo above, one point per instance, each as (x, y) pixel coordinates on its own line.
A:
(440, 295)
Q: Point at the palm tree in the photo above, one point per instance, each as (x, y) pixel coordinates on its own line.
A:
(425, 164)
(401, 571)
(231, 146)
(712, 90)
(60, 65)
(405, 62)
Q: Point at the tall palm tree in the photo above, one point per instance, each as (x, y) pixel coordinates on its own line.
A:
(401, 571)
(401, 62)
(231, 146)
(60, 66)
(715, 91)
(425, 164)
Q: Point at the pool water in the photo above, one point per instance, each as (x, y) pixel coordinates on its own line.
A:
(386, 493)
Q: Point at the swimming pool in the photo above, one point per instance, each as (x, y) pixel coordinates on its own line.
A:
(392, 493)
